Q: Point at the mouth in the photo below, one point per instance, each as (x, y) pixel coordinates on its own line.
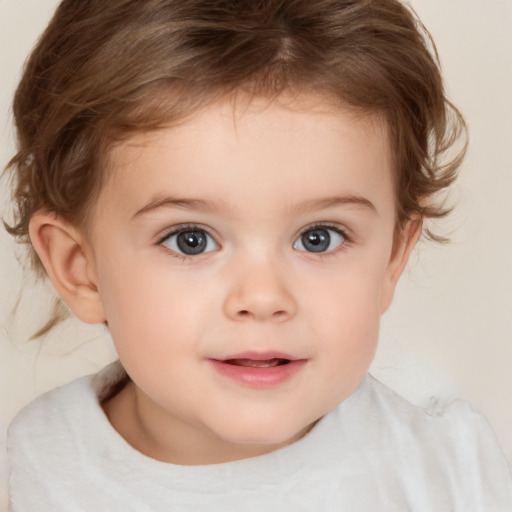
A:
(258, 363)
(258, 370)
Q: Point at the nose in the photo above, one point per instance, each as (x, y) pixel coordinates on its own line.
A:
(259, 294)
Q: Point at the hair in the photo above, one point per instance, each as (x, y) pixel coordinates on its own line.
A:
(104, 70)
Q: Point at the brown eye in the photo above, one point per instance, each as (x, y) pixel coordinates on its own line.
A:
(319, 239)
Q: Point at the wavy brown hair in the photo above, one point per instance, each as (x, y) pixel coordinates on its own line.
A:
(105, 69)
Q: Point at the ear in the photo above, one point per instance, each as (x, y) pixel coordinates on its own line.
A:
(403, 246)
(69, 265)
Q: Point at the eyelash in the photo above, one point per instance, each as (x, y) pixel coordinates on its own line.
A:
(326, 225)
(180, 229)
(318, 225)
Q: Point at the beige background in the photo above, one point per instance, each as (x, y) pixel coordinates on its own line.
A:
(449, 332)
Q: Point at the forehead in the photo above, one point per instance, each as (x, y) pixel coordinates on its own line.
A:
(299, 143)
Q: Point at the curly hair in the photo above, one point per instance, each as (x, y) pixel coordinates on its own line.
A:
(103, 70)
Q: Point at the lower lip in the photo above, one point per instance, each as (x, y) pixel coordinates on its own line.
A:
(262, 377)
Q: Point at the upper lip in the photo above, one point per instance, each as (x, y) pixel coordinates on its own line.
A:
(259, 356)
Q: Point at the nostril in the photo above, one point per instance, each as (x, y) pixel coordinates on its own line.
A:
(280, 314)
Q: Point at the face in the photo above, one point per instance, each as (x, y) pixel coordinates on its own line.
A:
(243, 260)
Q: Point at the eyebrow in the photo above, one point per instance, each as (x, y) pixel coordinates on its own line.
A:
(176, 202)
(208, 206)
(330, 202)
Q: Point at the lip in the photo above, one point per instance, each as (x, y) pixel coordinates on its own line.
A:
(260, 375)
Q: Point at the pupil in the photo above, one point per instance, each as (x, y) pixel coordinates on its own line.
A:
(192, 242)
(316, 240)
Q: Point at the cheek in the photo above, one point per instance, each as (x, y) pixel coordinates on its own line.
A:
(345, 333)
(346, 310)
(351, 324)
(150, 309)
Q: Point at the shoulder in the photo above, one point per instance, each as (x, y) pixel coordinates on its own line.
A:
(64, 412)
(455, 423)
(445, 446)
(50, 421)
(51, 438)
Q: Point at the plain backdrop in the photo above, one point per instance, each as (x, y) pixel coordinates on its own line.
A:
(449, 332)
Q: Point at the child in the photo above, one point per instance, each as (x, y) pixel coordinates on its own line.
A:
(234, 189)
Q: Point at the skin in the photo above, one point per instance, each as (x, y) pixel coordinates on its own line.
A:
(255, 178)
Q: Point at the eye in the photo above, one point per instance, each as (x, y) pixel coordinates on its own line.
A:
(190, 242)
(319, 239)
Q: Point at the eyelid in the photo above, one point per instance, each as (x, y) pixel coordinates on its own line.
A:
(174, 230)
(341, 231)
(175, 252)
(326, 225)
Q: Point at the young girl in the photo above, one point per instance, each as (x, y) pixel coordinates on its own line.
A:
(234, 189)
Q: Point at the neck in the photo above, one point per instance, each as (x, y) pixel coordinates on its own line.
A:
(149, 429)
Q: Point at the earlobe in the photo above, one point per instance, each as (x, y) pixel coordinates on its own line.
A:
(62, 251)
(403, 247)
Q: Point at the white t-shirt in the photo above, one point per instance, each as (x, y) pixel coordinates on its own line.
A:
(374, 452)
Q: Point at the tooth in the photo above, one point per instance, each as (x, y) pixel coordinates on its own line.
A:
(254, 363)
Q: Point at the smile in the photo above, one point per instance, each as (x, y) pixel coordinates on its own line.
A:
(258, 370)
